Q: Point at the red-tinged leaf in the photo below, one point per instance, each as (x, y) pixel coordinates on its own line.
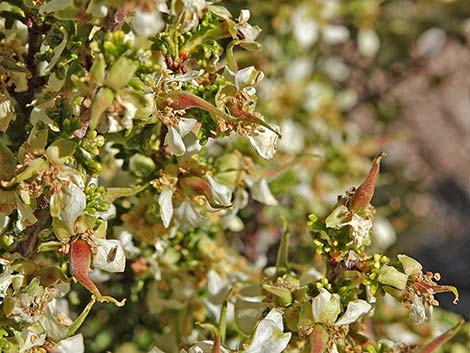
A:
(319, 339)
(364, 193)
(440, 340)
(80, 259)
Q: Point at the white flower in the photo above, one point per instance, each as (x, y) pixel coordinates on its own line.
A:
(72, 344)
(335, 34)
(31, 339)
(5, 279)
(221, 193)
(217, 286)
(247, 77)
(269, 335)
(383, 234)
(368, 42)
(7, 112)
(264, 141)
(110, 255)
(188, 216)
(249, 32)
(305, 29)
(126, 240)
(165, 201)
(68, 204)
(174, 137)
(336, 69)
(260, 192)
(147, 24)
(293, 140)
(56, 319)
(360, 230)
(326, 308)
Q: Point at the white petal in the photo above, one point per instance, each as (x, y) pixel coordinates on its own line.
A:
(419, 311)
(410, 265)
(72, 344)
(147, 24)
(269, 336)
(355, 310)
(31, 339)
(185, 126)
(248, 76)
(334, 34)
(217, 286)
(326, 307)
(221, 193)
(260, 192)
(305, 29)
(265, 141)
(188, 216)
(5, 280)
(292, 141)
(56, 319)
(192, 145)
(126, 240)
(175, 142)
(383, 234)
(368, 42)
(109, 256)
(165, 200)
(74, 203)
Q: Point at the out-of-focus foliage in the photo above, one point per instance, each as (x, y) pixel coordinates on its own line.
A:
(141, 156)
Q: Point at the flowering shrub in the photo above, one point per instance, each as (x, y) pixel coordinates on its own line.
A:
(133, 154)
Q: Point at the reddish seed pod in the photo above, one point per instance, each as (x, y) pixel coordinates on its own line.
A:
(80, 259)
(364, 193)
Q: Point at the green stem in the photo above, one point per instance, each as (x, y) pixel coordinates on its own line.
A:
(282, 264)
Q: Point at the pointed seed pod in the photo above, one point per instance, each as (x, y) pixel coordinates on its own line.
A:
(319, 339)
(80, 259)
(194, 185)
(364, 193)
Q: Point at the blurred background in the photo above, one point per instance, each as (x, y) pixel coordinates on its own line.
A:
(347, 79)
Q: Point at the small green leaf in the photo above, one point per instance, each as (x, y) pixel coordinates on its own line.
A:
(102, 101)
(391, 276)
(283, 294)
(120, 73)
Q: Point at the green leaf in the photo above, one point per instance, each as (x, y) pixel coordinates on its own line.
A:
(120, 73)
(102, 101)
(391, 276)
(283, 294)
